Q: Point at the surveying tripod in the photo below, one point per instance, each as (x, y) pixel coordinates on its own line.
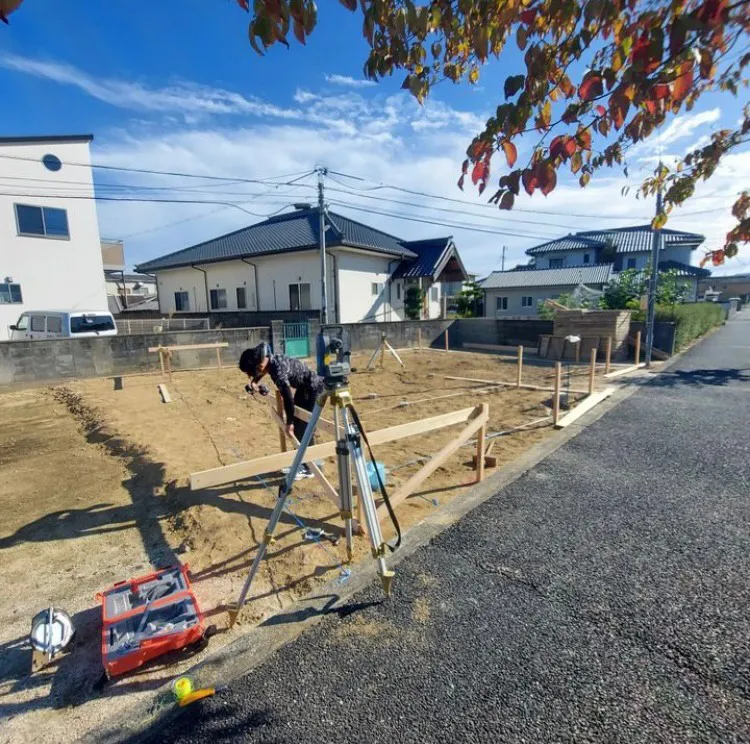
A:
(348, 450)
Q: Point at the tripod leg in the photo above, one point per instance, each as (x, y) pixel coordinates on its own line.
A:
(278, 509)
(368, 501)
(345, 484)
(372, 358)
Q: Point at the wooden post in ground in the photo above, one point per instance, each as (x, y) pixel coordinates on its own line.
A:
(446, 340)
(556, 393)
(218, 357)
(168, 355)
(480, 454)
(519, 376)
(419, 338)
(592, 370)
(608, 357)
(280, 411)
(637, 347)
(161, 361)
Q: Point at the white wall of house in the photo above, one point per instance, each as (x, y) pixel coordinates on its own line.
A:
(363, 285)
(52, 272)
(515, 306)
(681, 253)
(569, 258)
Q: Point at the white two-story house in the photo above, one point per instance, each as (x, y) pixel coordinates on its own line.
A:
(50, 253)
(274, 267)
(590, 260)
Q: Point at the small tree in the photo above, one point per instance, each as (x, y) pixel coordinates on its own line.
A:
(626, 289)
(413, 301)
(469, 300)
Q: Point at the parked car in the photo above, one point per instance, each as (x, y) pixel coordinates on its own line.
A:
(46, 324)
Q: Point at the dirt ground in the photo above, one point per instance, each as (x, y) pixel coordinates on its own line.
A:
(94, 489)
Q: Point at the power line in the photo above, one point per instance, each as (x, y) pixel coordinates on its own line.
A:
(456, 226)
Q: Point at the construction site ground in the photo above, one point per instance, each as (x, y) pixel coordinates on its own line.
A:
(94, 489)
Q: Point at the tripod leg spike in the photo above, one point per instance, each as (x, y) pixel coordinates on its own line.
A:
(386, 579)
(233, 611)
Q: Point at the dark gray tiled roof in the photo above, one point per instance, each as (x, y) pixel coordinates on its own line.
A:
(432, 257)
(626, 239)
(548, 277)
(285, 233)
(683, 269)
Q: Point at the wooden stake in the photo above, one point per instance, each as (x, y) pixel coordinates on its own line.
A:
(280, 411)
(608, 357)
(637, 347)
(165, 396)
(161, 360)
(556, 394)
(592, 371)
(520, 366)
(446, 340)
(480, 453)
(218, 357)
(419, 338)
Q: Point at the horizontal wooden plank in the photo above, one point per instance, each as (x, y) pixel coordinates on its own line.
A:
(496, 347)
(189, 347)
(625, 371)
(509, 384)
(165, 396)
(272, 463)
(584, 407)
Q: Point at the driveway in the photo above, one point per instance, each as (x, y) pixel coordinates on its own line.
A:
(602, 597)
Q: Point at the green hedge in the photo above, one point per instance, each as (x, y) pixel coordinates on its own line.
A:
(691, 319)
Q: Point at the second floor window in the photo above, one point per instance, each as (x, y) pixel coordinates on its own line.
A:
(10, 293)
(45, 222)
(527, 301)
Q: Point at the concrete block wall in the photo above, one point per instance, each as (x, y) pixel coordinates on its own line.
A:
(61, 359)
(497, 332)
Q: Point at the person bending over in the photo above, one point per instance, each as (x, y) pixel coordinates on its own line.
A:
(287, 373)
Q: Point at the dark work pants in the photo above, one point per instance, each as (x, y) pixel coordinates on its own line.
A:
(304, 398)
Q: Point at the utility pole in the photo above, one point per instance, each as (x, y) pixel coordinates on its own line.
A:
(502, 265)
(656, 246)
(322, 230)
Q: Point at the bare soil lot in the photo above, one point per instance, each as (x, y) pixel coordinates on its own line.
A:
(94, 489)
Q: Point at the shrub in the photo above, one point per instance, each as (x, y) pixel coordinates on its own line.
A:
(691, 319)
(413, 303)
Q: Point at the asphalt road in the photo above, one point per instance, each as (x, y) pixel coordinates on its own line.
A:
(602, 597)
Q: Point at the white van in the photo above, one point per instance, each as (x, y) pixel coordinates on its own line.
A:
(45, 324)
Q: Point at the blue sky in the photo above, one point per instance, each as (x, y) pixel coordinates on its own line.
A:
(177, 87)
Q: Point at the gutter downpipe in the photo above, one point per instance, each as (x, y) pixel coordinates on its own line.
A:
(255, 275)
(205, 284)
(390, 284)
(335, 259)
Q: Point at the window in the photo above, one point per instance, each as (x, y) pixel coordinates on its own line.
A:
(241, 298)
(631, 263)
(52, 163)
(10, 294)
(91, 324)
(37, 324)
(54, 324)
(299, 297)
(377, 288)
(527, 301)
(42, 221)
(586, 258)
(398, 290)
(556, 263)
(434, 296)
(23, 323)
(502, 303)
(218, 299)
(181, 302)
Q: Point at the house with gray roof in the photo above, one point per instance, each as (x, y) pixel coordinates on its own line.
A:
(587, 260)
(274, 267)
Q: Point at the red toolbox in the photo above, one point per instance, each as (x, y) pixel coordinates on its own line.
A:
(149, 616)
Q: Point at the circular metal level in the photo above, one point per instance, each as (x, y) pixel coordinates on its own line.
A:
(51, 631)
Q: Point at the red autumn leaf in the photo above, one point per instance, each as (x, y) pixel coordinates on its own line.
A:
(511, 152)
(479, 172)
(530, 181)
(548, 179)
(618, 109)
(461, 182)
(570, 147)
(465, 166)
(244, 4)
(482, 187)
(528, 16)
(710, 13)
(651, 107)
(584, 139)
(717, 258)
(660, 91)
(600, 110)
(684, 82)
(677, 37)
(591, 87)
(704, 260)
(556, 147)
(299, 31)
(507, 201)
(514, 182)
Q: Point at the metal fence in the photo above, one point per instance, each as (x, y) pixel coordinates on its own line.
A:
(132, 326)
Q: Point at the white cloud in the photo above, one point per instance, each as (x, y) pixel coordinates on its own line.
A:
(383, 139)
(681, 126)
(350, 82)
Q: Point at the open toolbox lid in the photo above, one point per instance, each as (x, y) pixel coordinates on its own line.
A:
(133, 595)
